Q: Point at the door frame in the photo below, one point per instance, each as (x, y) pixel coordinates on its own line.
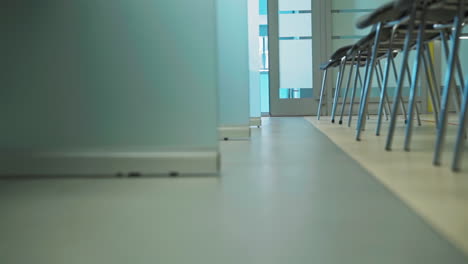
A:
(321, 42)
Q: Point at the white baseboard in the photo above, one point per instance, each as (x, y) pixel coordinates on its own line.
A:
(256, 121)
(94, 163)
(234, 132)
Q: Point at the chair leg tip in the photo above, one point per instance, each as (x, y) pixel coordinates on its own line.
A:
(333, 121)
(436, 163)
(341, 122)
(456, 169)
(388, 148)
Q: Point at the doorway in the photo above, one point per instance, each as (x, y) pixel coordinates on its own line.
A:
(294, 78)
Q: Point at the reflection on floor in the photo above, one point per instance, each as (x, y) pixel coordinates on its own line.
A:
(436, 193)
(289, 195)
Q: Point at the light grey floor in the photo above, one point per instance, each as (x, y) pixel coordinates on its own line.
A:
(287, 196)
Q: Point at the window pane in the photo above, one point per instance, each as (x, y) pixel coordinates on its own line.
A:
(286, 5)
(296, 63)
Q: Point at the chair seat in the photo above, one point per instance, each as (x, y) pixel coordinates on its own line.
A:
(368, 40)
(340, 53)
(442, 15)
(329, 64)
(384, 13)
(439, 11)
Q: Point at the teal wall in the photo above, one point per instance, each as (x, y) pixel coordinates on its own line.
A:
(98, 74)
(233, 68)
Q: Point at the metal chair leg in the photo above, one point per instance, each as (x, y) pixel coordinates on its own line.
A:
(368, 84)
(431, 87)
(322, 91)
(361, 83)
(418, 116)
(414, 82)
(455, 96)
(461, 79)
(348, 84)
(434, 78)
(353, 93)
(402, 102)
(380, 86)
(338, 88)
(366, 74)
(406, 50)
(363, 107)
(446, 49)
(383, 93)
(443, 115)
(460, 140)
(387, 102)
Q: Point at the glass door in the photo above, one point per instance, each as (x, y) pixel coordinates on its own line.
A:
(291, 86)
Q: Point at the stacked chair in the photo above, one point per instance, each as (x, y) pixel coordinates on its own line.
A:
(399, 27)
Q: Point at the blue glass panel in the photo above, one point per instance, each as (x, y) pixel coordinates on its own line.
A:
(265, 93)
(263, 7)
(263, 30)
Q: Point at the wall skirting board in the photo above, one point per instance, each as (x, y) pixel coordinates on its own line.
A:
(95, 163)
(234, 132)
(256, 121)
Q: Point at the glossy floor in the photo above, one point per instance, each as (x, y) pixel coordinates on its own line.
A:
(436, 193)
(289, 195)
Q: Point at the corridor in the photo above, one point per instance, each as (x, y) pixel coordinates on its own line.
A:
(289, 195)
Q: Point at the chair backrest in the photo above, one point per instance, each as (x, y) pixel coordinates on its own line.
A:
(405, 5)
(384, 13)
